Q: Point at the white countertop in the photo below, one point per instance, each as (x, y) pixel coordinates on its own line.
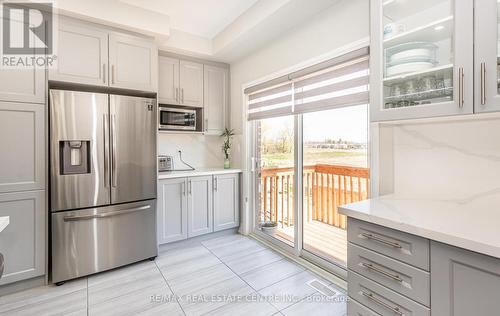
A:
(195, 173)
(472, 224)
(4, 222)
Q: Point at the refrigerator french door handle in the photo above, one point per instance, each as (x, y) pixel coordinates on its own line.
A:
(104, 215)
(113, 151)
(106, 149)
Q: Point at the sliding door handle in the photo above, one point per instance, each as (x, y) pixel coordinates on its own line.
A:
(483, 83)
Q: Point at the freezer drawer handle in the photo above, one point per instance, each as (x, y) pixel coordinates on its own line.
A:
(104, 215)
(370, 266)
(381, 240)
(370, 296)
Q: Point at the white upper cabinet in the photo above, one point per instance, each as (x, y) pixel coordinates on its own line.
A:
(22, 85)
(168, 80)
(215, 98)
(133, 62)
(191, 83)
(487, 56)
(421, 60)
(82, 54)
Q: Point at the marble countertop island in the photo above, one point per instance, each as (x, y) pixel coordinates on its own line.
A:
(472, 224)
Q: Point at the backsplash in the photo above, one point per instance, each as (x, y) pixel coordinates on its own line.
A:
(198, 150)
(449, 160)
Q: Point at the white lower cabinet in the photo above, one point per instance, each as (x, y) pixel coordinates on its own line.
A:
(22, 242)
(193, 206)
(172, 210)
(226, 201)
(200, 217)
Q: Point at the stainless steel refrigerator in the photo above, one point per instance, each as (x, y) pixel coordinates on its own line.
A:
(102, 183)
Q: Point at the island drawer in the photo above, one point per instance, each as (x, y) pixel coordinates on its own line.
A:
(401, 246)
(382, 300)
(395, 275)
(356, 309)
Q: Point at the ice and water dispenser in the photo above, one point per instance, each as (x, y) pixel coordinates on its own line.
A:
(74, 157)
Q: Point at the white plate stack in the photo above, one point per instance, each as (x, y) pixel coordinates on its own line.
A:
(410, 57)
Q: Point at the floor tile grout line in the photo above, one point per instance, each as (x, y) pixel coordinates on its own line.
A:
(170, 288)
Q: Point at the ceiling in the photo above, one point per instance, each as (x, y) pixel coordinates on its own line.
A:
(204, 18)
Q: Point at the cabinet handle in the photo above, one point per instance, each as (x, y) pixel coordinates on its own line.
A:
(370, 266)
(483, 83)
(370, 296)
(190, 187)
(113, 74)
(461, 99)
(103, 73)
(183, 188)
(381, 240)
(182, 95)
(206, 125)
(216, 183)
(177, 94)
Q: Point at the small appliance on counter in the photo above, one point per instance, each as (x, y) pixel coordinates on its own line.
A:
(165, 163)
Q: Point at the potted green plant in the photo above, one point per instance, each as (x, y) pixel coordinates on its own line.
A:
(226, 146)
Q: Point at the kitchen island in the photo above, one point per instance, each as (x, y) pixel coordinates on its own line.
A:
(419, 256)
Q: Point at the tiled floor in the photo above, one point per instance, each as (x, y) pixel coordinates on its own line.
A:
(224, 275)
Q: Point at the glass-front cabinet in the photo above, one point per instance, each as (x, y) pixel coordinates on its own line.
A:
(421, 58)
(487, 56)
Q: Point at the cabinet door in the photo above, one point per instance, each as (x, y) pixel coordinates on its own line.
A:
(168, 80)
(22, 162)
(216, 96)
(21, 84)
(463, 283)
(133, 62)
(200, 217)
(172, 210)
(486, 56)
(226, 201)
(82, 54)
(421, 59)
(191, 83)
(23, 242)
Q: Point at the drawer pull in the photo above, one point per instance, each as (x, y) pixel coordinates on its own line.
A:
(104, 215)
(381, 240)
(382, 272)
(370, 296)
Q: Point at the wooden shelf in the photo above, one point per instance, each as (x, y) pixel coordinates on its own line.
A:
(437, 71)
(424, 33)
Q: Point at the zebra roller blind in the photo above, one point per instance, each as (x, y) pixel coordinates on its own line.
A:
(341, 81)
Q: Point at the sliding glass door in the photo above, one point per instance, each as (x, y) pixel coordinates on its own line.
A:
(335, 172)
(275, 176)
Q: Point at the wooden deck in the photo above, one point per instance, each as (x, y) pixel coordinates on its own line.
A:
(326, 241)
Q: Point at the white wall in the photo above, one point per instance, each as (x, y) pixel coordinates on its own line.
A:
(442, 159)
(200, 151)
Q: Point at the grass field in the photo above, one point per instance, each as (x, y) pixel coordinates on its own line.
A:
(356, 158)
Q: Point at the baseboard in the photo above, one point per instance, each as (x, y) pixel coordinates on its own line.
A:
(22, 285)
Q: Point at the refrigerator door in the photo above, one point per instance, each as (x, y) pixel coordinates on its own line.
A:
(79, 149)
(97, 239)
(133, 148)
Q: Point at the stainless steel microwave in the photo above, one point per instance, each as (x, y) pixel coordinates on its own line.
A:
(177, 119)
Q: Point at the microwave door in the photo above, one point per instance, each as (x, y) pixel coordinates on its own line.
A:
(133, 148)
(79, 163)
